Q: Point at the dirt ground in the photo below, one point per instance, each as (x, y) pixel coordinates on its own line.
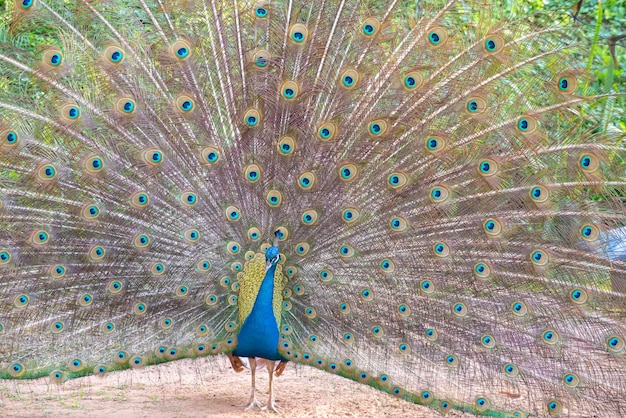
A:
(205, 387)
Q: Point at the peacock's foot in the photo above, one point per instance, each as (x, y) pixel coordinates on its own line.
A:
(271, 406)
(253, 402)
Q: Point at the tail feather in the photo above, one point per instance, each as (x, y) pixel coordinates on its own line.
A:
(446, 207)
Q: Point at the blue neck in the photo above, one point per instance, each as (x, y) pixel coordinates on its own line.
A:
(258, 336)
(265, 298)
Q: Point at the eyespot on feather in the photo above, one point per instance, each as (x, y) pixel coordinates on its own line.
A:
(298, 34)
(184, 104)
(114, 55)
(566, 83)
(52, 58)
(370, 27)
(181, 50)
(475, 105)
(126, 106)
(437, 36)
(261, 59)
(252, 118)
(289, 90)
(493, 44)
(327, 131)
(349, 79)
(70, 112)
(526, 125)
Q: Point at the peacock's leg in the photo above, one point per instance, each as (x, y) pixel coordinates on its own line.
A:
(253, 401)
(271, 406)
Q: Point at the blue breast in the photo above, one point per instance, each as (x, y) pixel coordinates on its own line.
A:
(258, 336)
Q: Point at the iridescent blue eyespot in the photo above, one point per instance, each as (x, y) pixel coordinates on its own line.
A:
(41, 237)
(27, 4)
(488, 341)
(615, 344)
(570, 379)
(73, 112)
(440, 248)
(522, 124)
(289, 93)
(21, 301)
(511, 370)
(187, 105)
(55, 59)
(11, 138)
(490, 45)
(233, 215)
(487, 167)
(538, 257)
(434, 38)
(129, 106)
(386, 265)
(260, 12)
(297, 36)
(370, 26)
(347, 172)
(116, 56)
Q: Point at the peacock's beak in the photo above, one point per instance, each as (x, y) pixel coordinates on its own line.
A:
(268, 265)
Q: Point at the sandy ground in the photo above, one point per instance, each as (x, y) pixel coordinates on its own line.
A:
(201, 388)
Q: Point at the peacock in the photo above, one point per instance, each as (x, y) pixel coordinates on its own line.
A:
(413, 195)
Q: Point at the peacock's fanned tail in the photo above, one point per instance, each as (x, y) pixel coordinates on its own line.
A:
(442, 199)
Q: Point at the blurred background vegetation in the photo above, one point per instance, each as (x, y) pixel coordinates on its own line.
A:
(593, 22)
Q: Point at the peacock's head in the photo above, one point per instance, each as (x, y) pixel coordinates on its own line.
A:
(271, 257)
